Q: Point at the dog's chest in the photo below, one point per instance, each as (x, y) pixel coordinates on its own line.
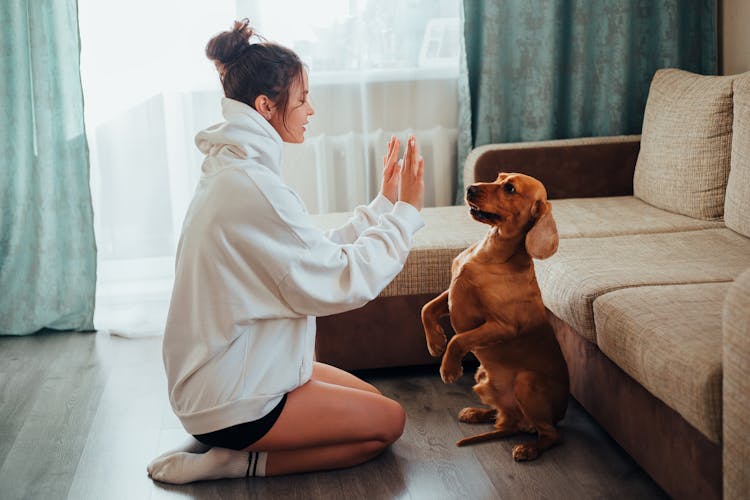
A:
(480, 291)
(466, 300)
(474, 281)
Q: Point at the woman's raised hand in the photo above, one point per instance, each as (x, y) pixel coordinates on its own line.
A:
(411, 187)
(391, 169)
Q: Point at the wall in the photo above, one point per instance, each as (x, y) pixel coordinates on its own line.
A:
(735, 19)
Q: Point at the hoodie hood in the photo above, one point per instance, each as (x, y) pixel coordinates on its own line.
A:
(244, 136)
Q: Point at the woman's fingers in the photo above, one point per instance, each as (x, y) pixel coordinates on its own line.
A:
(391, 170)
(411, 189)
(415, 158)
(393, 147)
(391, 158)
(409, 153)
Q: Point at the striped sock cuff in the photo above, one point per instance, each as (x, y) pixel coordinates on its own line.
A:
(256, 464)
(260, 464)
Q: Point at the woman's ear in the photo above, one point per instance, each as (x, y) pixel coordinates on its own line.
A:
(264, 106)
(542, 238)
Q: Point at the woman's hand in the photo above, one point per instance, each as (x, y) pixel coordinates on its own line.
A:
(411, 187)
(391, 169)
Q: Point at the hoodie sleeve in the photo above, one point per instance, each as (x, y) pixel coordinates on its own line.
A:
(364, 216)
(330, 278)
(270, 240)
(323, 276)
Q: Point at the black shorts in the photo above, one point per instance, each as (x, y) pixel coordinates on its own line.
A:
(240, 436)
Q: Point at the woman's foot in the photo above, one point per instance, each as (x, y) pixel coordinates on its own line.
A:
(182, 467)
(190, 445)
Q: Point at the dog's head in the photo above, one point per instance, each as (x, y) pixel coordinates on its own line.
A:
(516, 204)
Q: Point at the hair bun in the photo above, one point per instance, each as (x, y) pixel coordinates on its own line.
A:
(226, 47)
(244, 28)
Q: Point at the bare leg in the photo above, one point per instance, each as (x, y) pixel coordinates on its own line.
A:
(324, 425)
(333, 375)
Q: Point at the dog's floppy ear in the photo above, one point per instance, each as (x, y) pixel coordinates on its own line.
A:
(542, 238)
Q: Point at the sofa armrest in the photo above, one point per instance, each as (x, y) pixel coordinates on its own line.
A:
(569, 168)
(736, 389)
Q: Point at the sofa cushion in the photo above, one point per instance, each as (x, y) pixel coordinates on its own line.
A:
(686, 142)
(619, 215)
(669, 339)
(736, 387)
(585, 268)
(737, 203)
(447, 231)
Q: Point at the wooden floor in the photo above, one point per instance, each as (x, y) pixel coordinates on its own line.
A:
(82, 414)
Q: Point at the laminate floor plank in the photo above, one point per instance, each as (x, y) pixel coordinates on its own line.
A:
(42, 460)
(82, 415)
(124, 434)
(21, 378)
(432, 465)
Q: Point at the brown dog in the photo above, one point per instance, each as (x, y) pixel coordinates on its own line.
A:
(496, 310)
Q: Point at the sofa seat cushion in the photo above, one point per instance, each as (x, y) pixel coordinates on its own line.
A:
(669, 339)
(737, 203)
(586, 268)
(686, 143)
(447, 232)
(619, 215)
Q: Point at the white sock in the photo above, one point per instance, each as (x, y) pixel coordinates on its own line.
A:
(190, 445)
(216, 463)
(257, 464)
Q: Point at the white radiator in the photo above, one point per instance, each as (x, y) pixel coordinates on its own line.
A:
(335, 173)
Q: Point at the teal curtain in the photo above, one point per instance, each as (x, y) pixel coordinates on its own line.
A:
(47, 248)
(553, 69)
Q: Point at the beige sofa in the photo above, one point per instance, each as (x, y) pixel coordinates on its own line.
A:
(649, 292)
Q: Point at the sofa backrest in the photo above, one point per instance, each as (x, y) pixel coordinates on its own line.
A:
(737, 203)
(686, 140)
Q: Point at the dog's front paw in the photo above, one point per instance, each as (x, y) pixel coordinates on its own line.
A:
(450, 371)
(437, 348)
(436, 341)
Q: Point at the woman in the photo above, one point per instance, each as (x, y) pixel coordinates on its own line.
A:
(252, 272)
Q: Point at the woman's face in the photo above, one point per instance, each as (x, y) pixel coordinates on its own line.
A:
(291, 128)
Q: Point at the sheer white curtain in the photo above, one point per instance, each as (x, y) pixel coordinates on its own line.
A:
(377, 68)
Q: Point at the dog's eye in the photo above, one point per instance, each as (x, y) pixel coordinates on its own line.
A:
(509, 188)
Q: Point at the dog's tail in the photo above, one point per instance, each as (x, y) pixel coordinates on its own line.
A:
(487, 436)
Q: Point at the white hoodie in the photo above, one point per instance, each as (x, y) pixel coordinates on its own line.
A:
(252, 272)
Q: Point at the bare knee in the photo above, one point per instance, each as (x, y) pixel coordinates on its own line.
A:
(371, 388)
(391, 422)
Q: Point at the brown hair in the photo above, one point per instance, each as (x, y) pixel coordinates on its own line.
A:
(248, 69)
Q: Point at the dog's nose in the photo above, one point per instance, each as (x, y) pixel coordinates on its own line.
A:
(471, 190)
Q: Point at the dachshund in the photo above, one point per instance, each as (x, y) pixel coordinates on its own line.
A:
(496, 310)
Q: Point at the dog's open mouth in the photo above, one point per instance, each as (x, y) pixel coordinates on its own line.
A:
(483, 216)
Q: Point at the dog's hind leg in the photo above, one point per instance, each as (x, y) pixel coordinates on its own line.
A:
(506, 424)
(548, 437)
(477, 415)
(535, 404)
